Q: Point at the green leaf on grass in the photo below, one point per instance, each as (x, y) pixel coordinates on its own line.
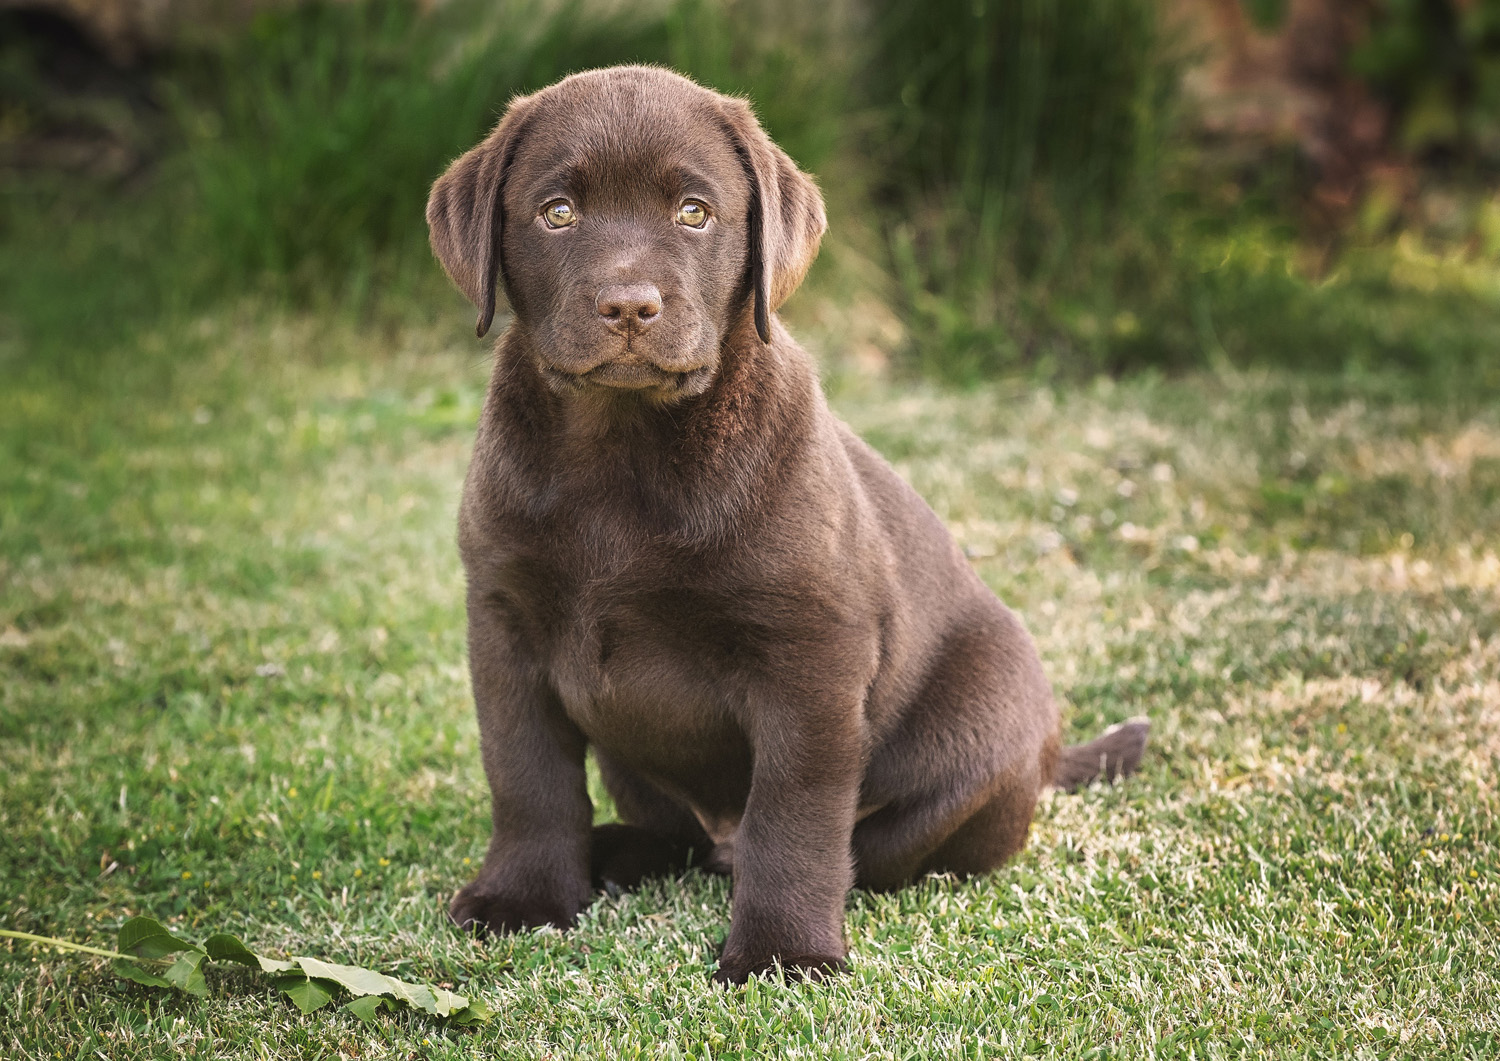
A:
(358, 981)
(132, 971)
(151, 955)
(476, 1012)
(186, 973)
(222, 947)
(306, 993)
(146, 938)
(352, 978)
(366, 1006)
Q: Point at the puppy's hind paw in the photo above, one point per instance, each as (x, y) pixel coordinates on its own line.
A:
(622, 856)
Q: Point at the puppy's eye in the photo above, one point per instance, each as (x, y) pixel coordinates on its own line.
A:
(559, 214)
(693, 214)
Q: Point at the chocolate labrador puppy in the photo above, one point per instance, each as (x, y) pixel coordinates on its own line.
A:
(677, 556)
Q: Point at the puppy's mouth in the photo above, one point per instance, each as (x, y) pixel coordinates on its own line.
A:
(629, 375)
(634, 376)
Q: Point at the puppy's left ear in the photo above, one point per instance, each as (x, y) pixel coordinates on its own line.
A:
(787, 220)
(465, 214)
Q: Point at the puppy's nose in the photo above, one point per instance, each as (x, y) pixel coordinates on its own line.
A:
(628, 307)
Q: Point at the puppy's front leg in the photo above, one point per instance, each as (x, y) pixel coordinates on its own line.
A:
(792, 860)
(536, 871)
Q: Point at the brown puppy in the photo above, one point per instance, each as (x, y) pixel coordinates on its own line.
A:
(678, 556)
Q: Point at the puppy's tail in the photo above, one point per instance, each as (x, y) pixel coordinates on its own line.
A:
(1113, 755)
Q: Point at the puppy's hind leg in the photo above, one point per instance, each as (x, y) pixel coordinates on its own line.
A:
(946, 832)
(658, 838)
(997, 831)
(992, 835)
(958, 782)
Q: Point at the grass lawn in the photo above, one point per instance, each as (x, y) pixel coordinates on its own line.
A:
(234, 697)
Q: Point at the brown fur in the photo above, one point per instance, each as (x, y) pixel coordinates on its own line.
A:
(678, 556)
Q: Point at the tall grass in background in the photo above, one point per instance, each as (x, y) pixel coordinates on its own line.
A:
(301, 148)
(1021, 143)
(1045, 209)
(312, 139)
(323, 127)
(299, 152)
(1020, 164)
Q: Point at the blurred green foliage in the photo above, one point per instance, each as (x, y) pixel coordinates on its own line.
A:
(1437, 62)
(1019, 170)
(988, 100)
(1045, 210)
(306, 144)
(1016, 137)
(312, 140)
(311, 137)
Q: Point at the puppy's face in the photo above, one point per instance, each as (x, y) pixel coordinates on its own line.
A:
(635, 219)
(625, 247)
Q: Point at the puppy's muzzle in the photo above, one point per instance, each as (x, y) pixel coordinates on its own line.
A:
(624, 357)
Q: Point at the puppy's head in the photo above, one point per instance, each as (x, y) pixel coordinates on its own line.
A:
(635, 219)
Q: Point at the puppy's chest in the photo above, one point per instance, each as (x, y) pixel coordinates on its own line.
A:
(646, 667)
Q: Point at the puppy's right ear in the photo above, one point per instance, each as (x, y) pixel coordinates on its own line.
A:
(465, 213)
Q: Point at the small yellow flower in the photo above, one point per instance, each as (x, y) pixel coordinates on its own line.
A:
(1473, 873)
(294, 878)
(1443, 838)
(385, 862)
(317, 874)
(359, 873)
(187, 874)
(291, 793)
(466, 862)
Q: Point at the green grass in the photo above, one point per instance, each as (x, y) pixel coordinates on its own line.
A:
(234, 697)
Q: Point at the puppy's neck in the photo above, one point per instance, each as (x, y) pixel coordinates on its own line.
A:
(713, 451)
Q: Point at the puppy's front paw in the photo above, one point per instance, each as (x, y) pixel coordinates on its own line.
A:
(478, 910)
(813, 967)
